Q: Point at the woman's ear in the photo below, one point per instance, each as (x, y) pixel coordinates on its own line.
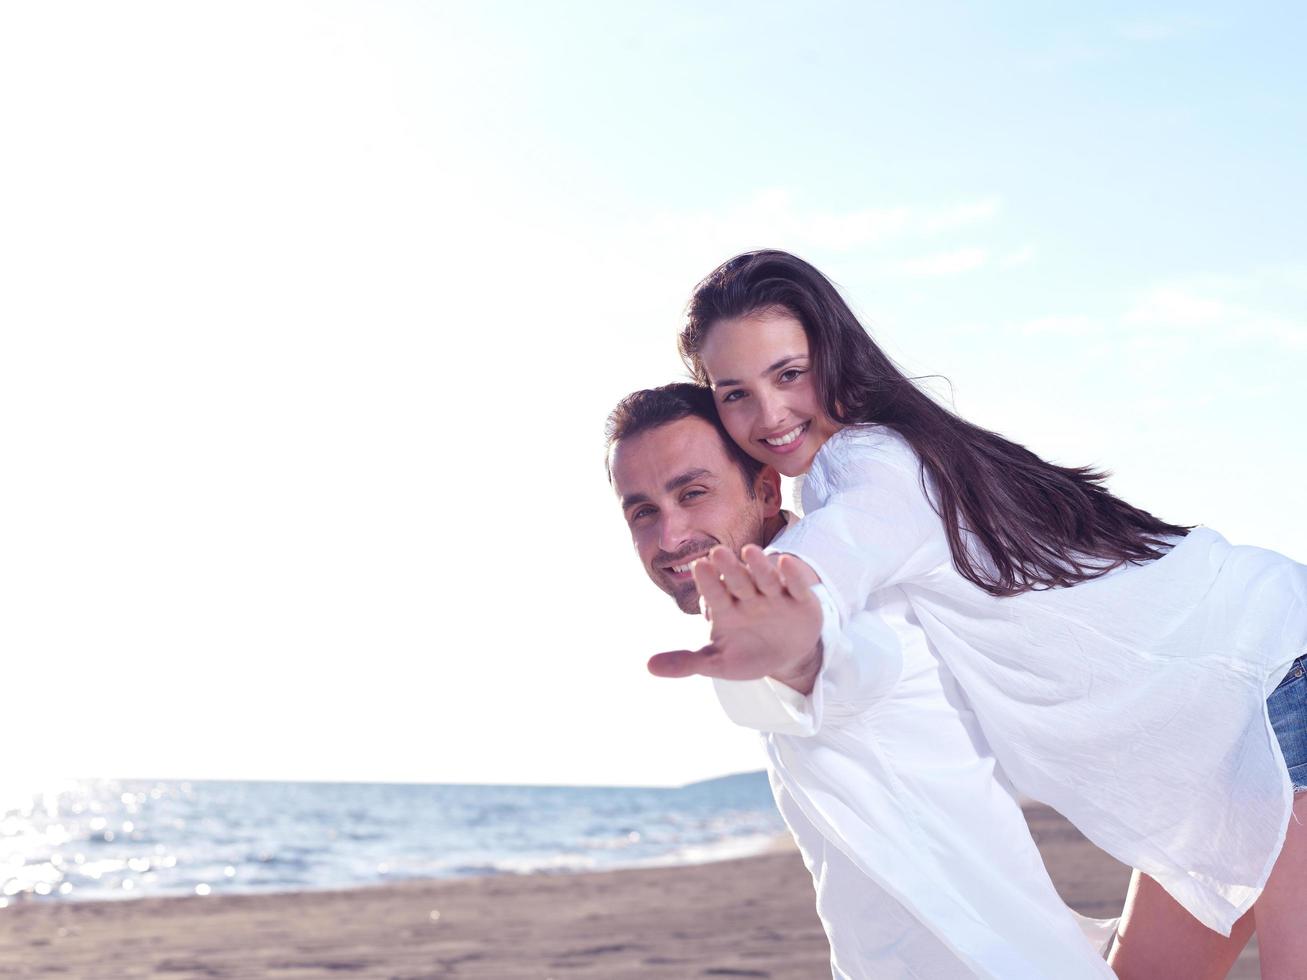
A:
(767, 488)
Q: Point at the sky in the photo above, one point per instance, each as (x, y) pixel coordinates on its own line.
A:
(311, 316)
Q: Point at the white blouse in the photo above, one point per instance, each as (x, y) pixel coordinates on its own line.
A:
(1134, 703)
(922, 860)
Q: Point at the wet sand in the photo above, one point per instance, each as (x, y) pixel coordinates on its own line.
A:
(746, 918)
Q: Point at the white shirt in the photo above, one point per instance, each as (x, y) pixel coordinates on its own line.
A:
(922, 861)
(1134, 704)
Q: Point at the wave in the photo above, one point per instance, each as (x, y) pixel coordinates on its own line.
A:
(174, 838)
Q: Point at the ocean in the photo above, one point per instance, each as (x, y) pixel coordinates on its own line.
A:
(107, 839)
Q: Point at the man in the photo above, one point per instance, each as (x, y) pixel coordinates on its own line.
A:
(922, 861)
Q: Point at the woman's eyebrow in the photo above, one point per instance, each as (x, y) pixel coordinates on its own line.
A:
(724, 382)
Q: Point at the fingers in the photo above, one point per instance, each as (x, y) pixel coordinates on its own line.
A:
(735, 576)
(798, 577)
(709, 583)
(721, 577)
(765, 577)
(683, 663)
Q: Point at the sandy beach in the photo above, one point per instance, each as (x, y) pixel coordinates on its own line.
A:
(744, 918)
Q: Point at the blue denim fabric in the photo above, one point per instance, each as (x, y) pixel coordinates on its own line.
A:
(1287, 708)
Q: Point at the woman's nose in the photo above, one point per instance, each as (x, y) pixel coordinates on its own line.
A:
(770, 411)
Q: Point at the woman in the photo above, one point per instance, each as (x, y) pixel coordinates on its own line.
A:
(1120, 665)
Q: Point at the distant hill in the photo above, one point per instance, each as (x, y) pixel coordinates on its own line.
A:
(739, 780)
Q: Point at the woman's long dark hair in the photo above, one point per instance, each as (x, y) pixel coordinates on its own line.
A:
(1041, 526)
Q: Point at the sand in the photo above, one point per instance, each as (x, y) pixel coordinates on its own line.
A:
(745, 918)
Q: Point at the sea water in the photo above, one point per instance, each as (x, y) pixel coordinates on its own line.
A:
(132, 838)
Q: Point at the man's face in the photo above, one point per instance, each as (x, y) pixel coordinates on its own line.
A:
(682, 494)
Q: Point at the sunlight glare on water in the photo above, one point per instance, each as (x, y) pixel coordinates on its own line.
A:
(128, 839)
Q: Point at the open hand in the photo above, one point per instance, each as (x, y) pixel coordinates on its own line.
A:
(765, 621)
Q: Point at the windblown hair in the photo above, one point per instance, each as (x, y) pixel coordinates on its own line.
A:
(649, 408)
(1039, 525)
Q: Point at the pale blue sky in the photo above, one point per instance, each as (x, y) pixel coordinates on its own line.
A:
(312, 314)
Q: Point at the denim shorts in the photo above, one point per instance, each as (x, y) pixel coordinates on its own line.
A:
(1287, 708)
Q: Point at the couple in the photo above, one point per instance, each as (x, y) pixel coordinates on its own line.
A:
(953, 617)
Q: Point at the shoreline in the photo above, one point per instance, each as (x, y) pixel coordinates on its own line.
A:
(718, 853)
(745, 917)
(736, 917)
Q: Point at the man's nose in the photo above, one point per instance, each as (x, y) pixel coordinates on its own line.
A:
(673, 533)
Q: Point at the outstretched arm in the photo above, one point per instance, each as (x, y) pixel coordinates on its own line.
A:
(766, 622)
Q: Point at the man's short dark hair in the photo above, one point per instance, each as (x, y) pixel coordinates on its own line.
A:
(649, 408)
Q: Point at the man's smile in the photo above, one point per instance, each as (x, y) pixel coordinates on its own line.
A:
(677, 567)
(681, 572)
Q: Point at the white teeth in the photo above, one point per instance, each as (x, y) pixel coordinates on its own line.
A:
(680, 569)
(786, 439)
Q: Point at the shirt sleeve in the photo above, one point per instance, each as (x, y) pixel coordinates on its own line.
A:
(859, 666)
(869, 522)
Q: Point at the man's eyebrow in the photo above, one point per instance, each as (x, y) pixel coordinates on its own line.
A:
(689, 476)
(675, 483)
(634, 498)
(725, 382)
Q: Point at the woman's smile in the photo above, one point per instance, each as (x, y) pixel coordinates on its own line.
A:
(788, 441)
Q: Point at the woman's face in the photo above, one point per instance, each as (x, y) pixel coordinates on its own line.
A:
(761, 374)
